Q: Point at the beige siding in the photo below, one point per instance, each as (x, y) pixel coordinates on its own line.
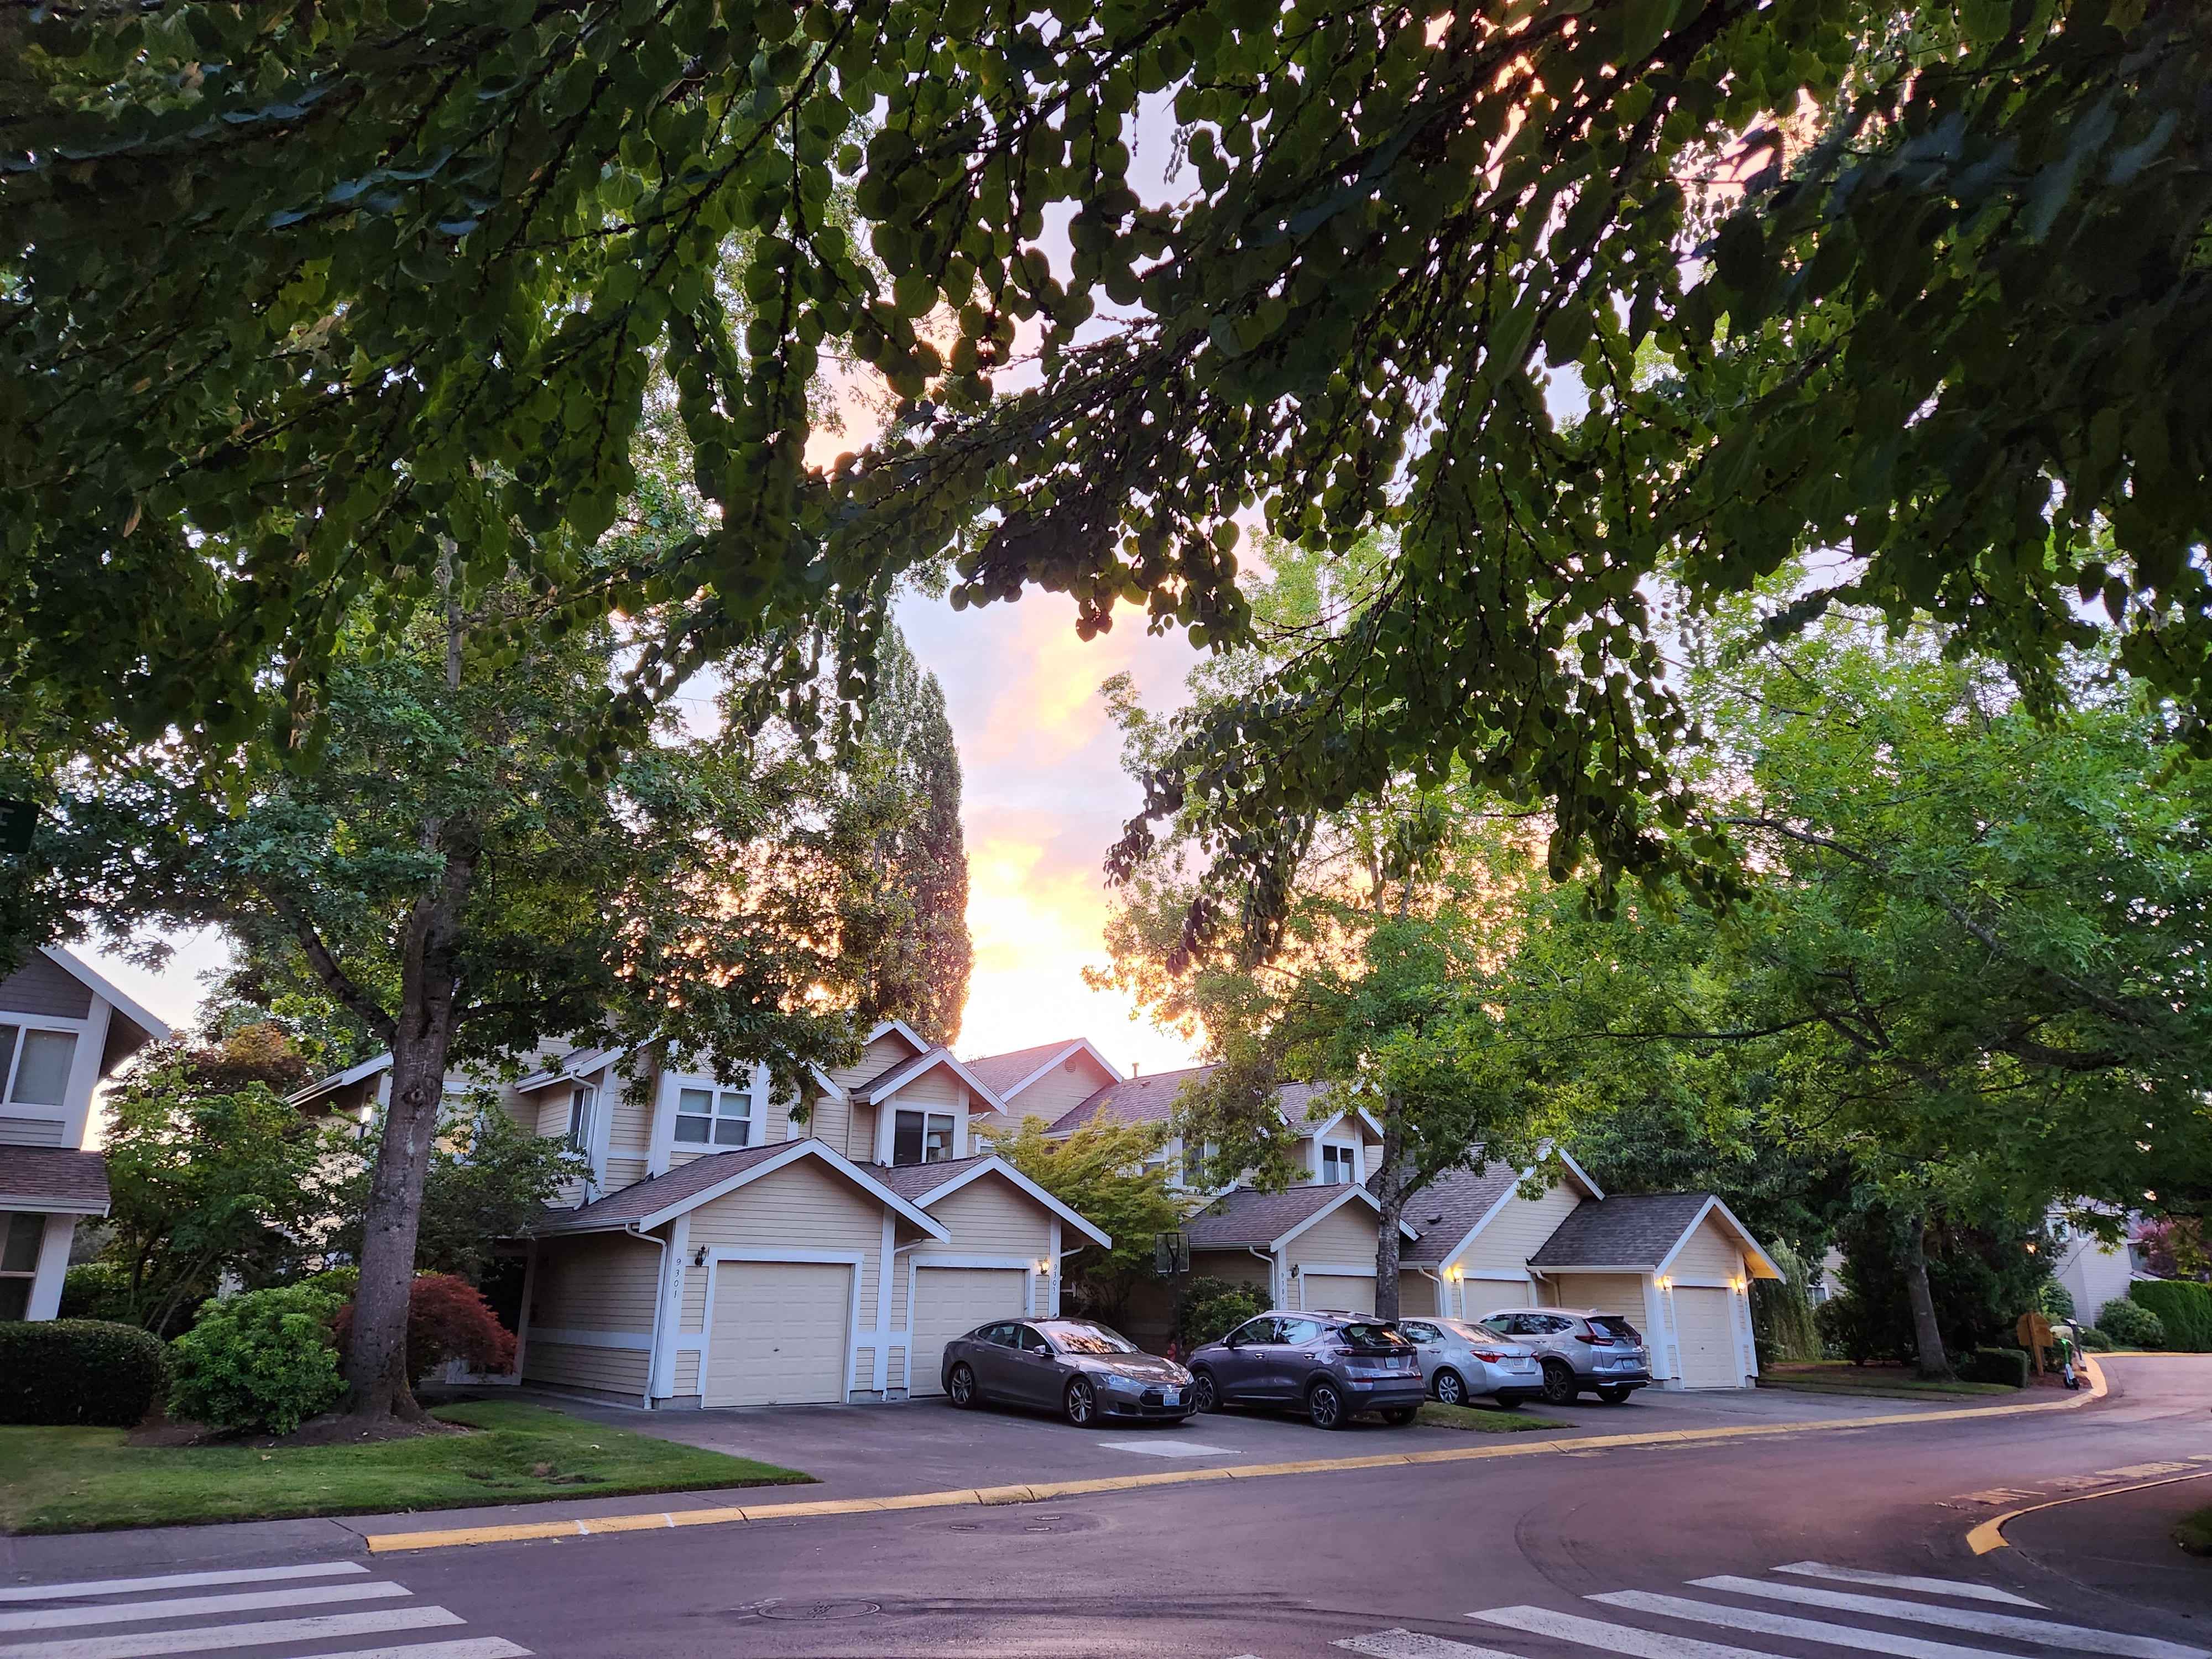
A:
(595, 1283)
(1065, 1087)
(936, 1090)
(616, 1370)
(878, 1057)
(860, 1142)
(1614, 1293)
(687, 1372)
(1235, 1266)
(552, 1109)
(830, 1121)
(991, 1217)
(1518, 1232)
(41, 985)
(1710, 1254)
(1417, 1294)
(622, 1171)
(629, 1130)
(1346, 1239)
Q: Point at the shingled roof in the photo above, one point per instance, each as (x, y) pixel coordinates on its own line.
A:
(57, 1180)
(1445, 1211)
(911, 1181)
(1633, 1229)
(654, 1194)
(1133, 1100)
(1002, 1072)
(1245, 1215)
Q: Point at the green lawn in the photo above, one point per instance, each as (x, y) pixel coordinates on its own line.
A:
(77, 1480)
(1841, 1376)
(1481, 1421)
(2193, 1532)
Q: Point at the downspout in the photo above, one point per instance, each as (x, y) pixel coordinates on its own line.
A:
(1444, 1307)
(659, 1308)
(1274, 1290)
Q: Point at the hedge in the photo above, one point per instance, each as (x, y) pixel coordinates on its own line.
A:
(63, 1371)
(2005, 1365)
(2184, 1308)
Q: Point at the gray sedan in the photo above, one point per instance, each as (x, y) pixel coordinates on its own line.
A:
(1080, 1369)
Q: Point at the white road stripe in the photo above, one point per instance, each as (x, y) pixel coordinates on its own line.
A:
(2011, 1626)
(1412, 1644)
(214, 1638)
(469, 1647)
(1160, 1447)
(177, 1581)
(1903, 1581)
(1782, 1623)
(193, 1606)
(1614, 1639)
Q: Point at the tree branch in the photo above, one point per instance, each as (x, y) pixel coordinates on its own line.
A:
(335, 979)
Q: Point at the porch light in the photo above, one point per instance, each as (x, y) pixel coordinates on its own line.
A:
(699, 1257)
(1665, 1283)
(1045, 1267)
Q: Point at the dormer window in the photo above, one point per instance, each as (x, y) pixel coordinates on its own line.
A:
(717, 1117)
(922, 1137)
(34, 1065)
(1339, 1166)
(583, 1102)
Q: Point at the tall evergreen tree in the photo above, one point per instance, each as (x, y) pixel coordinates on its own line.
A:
(926, 854)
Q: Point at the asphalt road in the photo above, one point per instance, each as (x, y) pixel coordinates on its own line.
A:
(1385, 1562)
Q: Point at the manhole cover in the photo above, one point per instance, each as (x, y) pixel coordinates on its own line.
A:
(813, 1610)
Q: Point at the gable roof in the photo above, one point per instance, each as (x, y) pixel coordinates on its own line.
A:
(1009, 1074)
(576, 1063)
(888, 1082)
(155, 1028)
(1449, 1209)
(645, 1204)
(337, 1080)
(1132, 1100)
(1642, 1231)
(1243, 1216)
(925, 1183)
(53, 1179)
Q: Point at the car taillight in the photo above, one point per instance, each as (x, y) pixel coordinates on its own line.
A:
(1595, 1341)
(1337, 1353)
(1486, 1357)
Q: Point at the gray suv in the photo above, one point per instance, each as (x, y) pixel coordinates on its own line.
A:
(1331, 1364)
(1581, 1350)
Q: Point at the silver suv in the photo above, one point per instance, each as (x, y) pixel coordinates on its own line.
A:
(1580, 1349)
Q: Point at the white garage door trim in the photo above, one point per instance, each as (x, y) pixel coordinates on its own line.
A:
(855, 1259)
(919, 1382)
(1364, 1302)
(1695, 1375)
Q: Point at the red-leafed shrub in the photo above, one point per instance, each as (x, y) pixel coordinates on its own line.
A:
(448, 1318)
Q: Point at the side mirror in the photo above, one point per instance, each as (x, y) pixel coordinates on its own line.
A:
(1233, 1339)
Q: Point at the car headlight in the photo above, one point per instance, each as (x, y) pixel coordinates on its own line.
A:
(1121, 1384)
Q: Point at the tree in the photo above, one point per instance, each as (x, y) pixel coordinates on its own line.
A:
(1107, 1173)
(211, 1177)
(443, 873)
(926, 856)
(287, 298)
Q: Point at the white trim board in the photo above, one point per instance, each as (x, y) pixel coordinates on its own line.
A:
(993, 1164)
(1352, 1190)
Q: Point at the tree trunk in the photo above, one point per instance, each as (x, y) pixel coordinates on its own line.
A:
(1389, 1191)
(1927, 1337)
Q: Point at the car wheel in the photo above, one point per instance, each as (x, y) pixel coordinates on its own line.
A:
(1508, 1400)
(961, 1387)
(1558, 1383)
(1614, 1395)
(1202, 1396)
(1325, 1405)
(1081, 1403)
(1451, 1387)
(1398, 1416)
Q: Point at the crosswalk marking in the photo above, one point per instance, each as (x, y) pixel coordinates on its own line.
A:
(469, 1647)
(1614, 1639)
(148, 1644)
(188, 1606)
(1764, 1623)
(1412, 1645)
(2011, 1626)
(1957, 1587)
(178, 1581)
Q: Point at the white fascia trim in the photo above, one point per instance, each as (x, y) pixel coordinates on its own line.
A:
(1576, 1169)
(902, 1028)
(828, 1084)
(1743, 1237)
(790, 1154)
(97, 983)
(1081, 1045)
(567, 1073)
(999, 1166)
(51, 1205)
(1352, 1190)
(353, 1073)
(922, 1064)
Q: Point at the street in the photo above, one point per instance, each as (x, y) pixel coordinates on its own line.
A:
(1787, 1545)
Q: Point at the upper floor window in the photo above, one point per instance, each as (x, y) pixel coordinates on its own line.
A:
(1339, 1166)
(922, 1137)
(717, 1117)
(582, 1104)
(1193, 1166)
(34, 1065)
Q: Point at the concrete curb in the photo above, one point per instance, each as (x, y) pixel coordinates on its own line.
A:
(963, 1497)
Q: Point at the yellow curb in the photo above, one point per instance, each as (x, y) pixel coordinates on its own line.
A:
(1989, 1535)
(387, 1542)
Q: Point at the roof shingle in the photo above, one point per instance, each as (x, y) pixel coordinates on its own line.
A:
(1001, 1073)
(57, 1178)
(1245, 1215)
(911, 1181)
(1133, 1100)
(1445, 1211)
(1634, 1229)
(654, 1194)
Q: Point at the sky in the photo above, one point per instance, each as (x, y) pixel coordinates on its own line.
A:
(1043, 795)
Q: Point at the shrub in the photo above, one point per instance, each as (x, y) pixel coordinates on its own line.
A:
(2054, 1300)
(1850, 1331)
(2132, 1325)
(2005, 1365)
(1210, 1308)
(263, 1360)
(78, 1371)
(2184, 1308)
(2090, 1340)
(448, 1318)
(97, 1290)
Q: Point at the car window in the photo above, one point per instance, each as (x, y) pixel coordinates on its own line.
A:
(1029, 1342)
(1504, 1324)
(1254, 1330)
(1416, 1331)
(1552, 1324)
(1363, 1334)
(1002, 1335)
(1297, 1331)
(1613, 1325)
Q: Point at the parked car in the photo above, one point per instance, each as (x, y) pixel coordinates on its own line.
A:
(1330, 1364)
(1460, 1357)
(1077, 1367)
(1581, 1350)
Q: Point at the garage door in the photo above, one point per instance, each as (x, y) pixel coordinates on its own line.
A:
(781, 1333)
(1706, 1332)
(1338, 1291)
(950, 1302)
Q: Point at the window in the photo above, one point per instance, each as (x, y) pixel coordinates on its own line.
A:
(1299, 1332)
(922, 1137)
(581, 1104)
(19, 1233)
(999, 1336)
(1254, 1330)
(34, 1065)
(1415, 1331)
(1029, 1342)
(718, 1117)
(1337, 1165)
(1193, 1166)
